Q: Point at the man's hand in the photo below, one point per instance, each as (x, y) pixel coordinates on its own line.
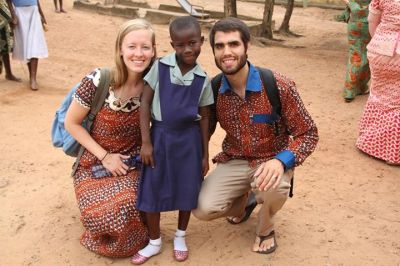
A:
(269, 174)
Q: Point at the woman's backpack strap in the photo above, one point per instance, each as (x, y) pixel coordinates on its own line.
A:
(98, 102)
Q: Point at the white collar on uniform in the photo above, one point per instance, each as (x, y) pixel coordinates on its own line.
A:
(171, 61)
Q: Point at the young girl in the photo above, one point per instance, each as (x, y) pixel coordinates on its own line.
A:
(113, 225)
(179, 93)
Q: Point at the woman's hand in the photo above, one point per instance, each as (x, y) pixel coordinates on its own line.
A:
(146, 153)
(113, 163)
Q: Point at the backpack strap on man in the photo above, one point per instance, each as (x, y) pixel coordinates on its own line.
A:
(215, 84)
(272, 91)
(271, 88)
(98, 102)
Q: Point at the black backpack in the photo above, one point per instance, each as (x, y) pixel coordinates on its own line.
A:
(271, 89)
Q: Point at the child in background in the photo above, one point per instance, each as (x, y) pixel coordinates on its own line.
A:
(177, 100)
(61, 7)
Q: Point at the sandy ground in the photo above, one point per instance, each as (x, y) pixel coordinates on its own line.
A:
(346, 208)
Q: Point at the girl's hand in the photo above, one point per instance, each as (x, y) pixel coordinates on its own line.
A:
(113, 163)
(146, 153)
(205, 166)
(43, 20)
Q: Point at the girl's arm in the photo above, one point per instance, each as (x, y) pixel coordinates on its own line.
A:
(146, 152)
(41, 13)
(73, 124)
(204, 112)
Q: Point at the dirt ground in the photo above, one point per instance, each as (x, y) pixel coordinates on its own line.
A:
(346, 208)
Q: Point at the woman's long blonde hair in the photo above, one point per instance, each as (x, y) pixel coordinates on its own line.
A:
(120, 73)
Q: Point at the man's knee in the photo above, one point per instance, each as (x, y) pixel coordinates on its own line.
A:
(204, 211)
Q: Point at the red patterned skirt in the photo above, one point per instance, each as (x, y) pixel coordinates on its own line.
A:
(113, 226)
(379, 134)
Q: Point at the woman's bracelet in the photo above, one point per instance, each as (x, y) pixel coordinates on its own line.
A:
(105, 155)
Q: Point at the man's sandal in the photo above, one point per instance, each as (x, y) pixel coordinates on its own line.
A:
(248, 210)
(273, 247)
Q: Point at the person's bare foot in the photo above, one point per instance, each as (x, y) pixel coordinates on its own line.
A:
(34, 85)
(13, 78)
(244, 216)
(63, 11)
(57, 11)
(236, 219)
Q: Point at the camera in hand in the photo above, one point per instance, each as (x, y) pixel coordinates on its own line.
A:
(132, 162)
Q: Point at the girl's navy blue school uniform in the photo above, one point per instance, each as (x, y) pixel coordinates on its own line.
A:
(175, 181)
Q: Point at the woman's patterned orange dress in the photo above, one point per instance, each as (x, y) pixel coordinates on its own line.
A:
(113, 226)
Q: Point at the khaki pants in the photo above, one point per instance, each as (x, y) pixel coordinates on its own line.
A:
(224, 193)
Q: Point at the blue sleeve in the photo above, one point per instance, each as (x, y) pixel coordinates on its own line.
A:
(287, 158)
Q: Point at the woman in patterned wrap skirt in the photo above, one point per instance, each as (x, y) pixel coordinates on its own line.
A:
(379, 134)
(357, 74)
(6, 39)
(113, 225)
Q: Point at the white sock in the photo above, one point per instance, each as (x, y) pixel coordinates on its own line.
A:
(179, 241)
(153, 248)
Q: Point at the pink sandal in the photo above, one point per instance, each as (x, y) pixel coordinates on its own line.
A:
(138, 259)
(181, 255)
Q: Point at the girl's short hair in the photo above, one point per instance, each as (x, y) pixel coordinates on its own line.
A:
(120, 73)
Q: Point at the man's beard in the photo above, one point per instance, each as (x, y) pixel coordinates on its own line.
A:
(241, 63)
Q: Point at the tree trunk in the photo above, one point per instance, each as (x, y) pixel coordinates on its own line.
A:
(230, 8)
(288, 14)
(266, 26)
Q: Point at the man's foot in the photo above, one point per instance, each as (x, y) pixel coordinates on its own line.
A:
(63, 11)
(245, 215)
(13, 78)
(265, 244)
